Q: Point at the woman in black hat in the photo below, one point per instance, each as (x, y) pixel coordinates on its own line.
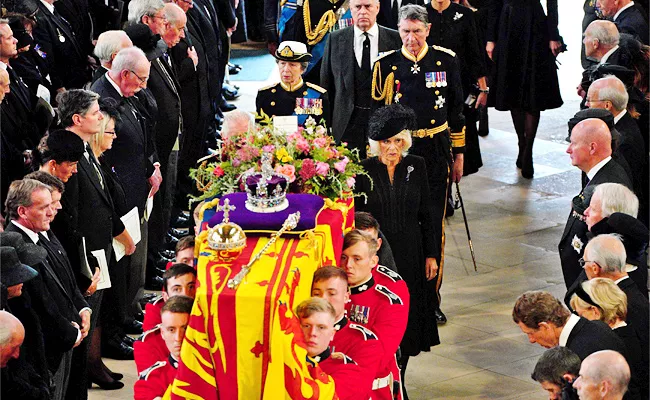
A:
(293, 96)
(59, 153)
(399, 199)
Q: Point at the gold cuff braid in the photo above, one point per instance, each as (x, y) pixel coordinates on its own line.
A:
(422, 133)
(325, 23)
(458, 138)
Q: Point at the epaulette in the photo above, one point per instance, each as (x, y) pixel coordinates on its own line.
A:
(348, 360)
(394, 299)
(446, 50)
(367, 333)
(144, 375)
(156, 300)
(316, 87)
(384, 54)
(392, 275)
(146, 334)
(268, 87)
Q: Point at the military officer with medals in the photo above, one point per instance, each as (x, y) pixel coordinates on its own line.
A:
(292, 95)
(427, 79)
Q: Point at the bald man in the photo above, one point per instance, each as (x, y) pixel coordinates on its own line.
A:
(604, 375)
(12, 334)
(609, 93)
(590, 151)
(601, 42)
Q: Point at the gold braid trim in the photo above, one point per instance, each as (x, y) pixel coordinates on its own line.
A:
(326, 23)
(382, 91)
(458, 138)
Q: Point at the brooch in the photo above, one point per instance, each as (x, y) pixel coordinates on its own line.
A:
(577, 244)
(409, 169)
(415, 68)
(440, 101)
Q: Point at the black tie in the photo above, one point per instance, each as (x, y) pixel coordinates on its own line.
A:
(393, 14)
(365, 55)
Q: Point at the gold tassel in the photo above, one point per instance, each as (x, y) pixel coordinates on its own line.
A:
(382, 92)
(326, 23)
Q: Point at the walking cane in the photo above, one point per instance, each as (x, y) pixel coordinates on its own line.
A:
(469, 238)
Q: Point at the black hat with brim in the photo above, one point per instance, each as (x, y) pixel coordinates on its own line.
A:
(20, 33)
(63, 145)
(28, 253)
(12, 270)
(597, 113)
(390, 120)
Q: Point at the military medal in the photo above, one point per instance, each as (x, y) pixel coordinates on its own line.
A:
(61, 37)
(440, 102)
(397, 93)
(309, 106)
(429, 79)
(458, 16)
(415, 68)
(438, 79)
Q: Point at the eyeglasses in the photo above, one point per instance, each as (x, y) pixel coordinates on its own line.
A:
(584, 262)
(595, 101)
(142, 80)
(187, 2)
(157, 16)
(112, 133)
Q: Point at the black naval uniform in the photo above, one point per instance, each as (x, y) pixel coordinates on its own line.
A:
(304, 100)
(430, 84)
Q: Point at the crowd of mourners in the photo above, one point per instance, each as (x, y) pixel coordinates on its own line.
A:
(105, 107)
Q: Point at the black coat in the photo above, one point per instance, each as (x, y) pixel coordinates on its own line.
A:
(637, 314)
(588, 337)
(211, 41)
(33, 69)
(337, 72)
(632, 21)
(574, 237)
(131, 155)
(53, 295)
(526, 74)
(21, 381)
(66, 58)
(638, 387)
(386, 16)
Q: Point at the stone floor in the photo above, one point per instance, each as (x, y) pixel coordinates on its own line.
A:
(515, 225)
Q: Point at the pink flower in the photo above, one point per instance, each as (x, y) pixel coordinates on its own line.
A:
(294, 137)
(320, 142)
(302, 145)
(288, 170)
(321, 130)
(340, 165)
(269, 148)
(322, 168)
(218, 171)
(236, 162)
(308, 169)
(350, 182)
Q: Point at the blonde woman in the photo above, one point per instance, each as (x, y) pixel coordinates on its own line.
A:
(600, 299)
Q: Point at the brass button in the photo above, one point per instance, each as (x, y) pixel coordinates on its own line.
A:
(273, 103)
(394, 68)
(438, 63)
(434, 107)
(304, 93)
(433, 121)
(437, 92)
(272, 90)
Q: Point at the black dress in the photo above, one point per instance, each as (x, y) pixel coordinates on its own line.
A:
(455, 29)
(526, 74)
(404, 212)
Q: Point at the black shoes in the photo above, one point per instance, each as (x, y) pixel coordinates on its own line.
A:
(134, 327)
(115, 385)
(233, 69)
(153, 283)
(117, 351)
(441, 318)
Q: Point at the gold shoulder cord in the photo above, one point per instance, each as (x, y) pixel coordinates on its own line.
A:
(385, 93)
(326, 23)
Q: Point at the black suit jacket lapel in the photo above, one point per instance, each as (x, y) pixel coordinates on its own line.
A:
(346, 53)
(65, 29)
(92, 175)
(49, 264)
(576, 329)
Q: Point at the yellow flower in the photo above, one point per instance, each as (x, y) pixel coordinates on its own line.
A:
(283, 155)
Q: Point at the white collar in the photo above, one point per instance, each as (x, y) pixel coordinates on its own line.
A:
(593, 171)
(568, 327)
(112, 82)
(372, 32)
(32, 235)
(621, 279)
(619, 116)
(3, 65)
(50, 7)
(606, 56)
(619, 324)
(630, 4)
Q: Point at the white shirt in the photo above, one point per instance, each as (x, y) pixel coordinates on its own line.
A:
(3, 65)
(630, 4)
(609, 53)
(568, 327)
(593, 171)
(359, 37)
(619, 116)
(50, 7)
(32, 235)
(399, 4)
(114, 84)
(621, 279)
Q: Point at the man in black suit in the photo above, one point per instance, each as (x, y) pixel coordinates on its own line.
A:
(548, 323)
(591, 151)
(108, 44)
(346, 71)
(131, 154)
(603, 375)
(67, 60)
(609, 93)
(389, 9)
(30, 211)
(627, 16)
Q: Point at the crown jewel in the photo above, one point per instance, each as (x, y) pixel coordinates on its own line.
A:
(266, 192)
(227, 238)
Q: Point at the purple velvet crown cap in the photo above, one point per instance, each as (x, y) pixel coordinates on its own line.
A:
(253, 180)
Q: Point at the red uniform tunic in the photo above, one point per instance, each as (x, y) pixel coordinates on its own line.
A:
(378, 308)
(149, 348)
(154, 381)
(345, 373)
(362, 345)
(152, 313)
